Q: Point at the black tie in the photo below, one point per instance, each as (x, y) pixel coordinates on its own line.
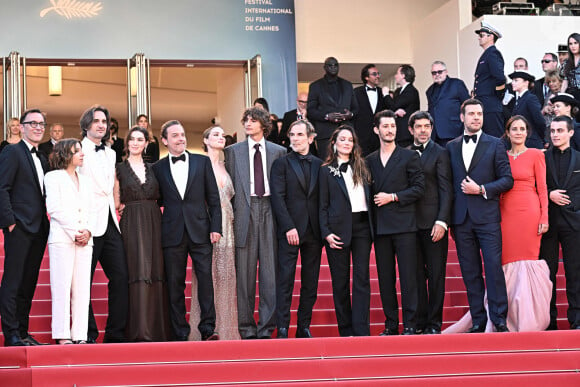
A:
(467, 137)
(175, 159)
(371, 88)
(305, 164)
(419, 148)
(33, 150)
(99, 147)
(343, 167)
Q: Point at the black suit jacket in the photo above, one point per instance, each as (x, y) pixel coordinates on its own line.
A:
(436, 203)
(365, 119)
(321, 103)
(335, 208)
(408, 100)
(571, 183)
(294, 204)
(199, 212)
(46, 147)
(402, 176)
(21, 197)
(287, 120)
(119, 147)
(538, 90)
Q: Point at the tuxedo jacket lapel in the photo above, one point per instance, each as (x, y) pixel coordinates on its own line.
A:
(243, 167)
(190, 174)
(390, 166)
(314, 168)
(480, 150)
(28, 156)
(570, 169)
(297, 168)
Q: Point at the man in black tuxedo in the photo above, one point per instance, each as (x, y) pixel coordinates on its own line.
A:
(331, 102)
(398, 183)
(370, 100)
(405, 101)
(433, 211)
(56, 133)
(294, 179)
(541, 89)
(117, 143)
(25, 225)
(563, 180)
(292, 116)
(192, 222)
(481, 172)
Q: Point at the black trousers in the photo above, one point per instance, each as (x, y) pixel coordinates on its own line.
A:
(562, 233)
(175, 269)
(109, 251)
(310, 249)
(431, 263)
(403, 246)
(352, 318)
(23, 256)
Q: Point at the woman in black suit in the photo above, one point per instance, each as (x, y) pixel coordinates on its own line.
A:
(346, 227)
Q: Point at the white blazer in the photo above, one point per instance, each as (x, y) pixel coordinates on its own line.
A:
(69, 209)
(102, 178)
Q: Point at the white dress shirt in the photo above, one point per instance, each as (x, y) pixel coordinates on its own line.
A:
(37, 164)
(356, 193)
(179, 172)
(468, 149)
(373, 97)
(252, 152)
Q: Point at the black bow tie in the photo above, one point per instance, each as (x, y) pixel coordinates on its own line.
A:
(467, 137)
(420, 148)
(305, 158)
(175, 159)
(33, 150)
(343, 167)
(99, 147)
(371, 88)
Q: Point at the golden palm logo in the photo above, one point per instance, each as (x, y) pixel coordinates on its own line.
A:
(73, 9)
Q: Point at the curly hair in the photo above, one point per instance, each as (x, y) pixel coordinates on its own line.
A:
(62, 153)
(261, 115)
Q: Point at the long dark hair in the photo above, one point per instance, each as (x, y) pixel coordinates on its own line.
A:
(360, 172)
(136, 128)
(570, 63)
(512, 120)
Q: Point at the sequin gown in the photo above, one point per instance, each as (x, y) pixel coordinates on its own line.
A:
(141, 231)
(224, 275)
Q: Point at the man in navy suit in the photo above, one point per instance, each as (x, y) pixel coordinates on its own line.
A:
(490, 81)
(433, 211)
(192, 222)
(294, 200)
(444, 98)
(370, 100)
(25, 225)
(405, 101)
(331, 102)
(481, 172)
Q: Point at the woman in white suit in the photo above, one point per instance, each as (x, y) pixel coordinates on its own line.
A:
(70, 243)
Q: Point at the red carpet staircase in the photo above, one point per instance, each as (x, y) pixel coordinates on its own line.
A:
(479, 359)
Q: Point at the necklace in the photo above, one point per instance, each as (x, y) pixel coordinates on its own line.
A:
(515, 155)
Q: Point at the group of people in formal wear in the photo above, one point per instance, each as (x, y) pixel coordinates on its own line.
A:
(386, 174)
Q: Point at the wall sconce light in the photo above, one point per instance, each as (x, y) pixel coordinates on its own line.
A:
(133, 81)
(54, 80)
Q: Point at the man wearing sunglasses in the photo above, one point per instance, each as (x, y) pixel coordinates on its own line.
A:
(291, 116)
(541, 89)
(444, 98)
(370, 100)
(490, 81)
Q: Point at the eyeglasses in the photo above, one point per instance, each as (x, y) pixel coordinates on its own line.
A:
(301, 101)
(375, 74)
(547, 60)
(438, 72)
(34, 124)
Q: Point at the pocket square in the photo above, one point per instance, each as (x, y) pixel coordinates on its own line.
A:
(577, 171)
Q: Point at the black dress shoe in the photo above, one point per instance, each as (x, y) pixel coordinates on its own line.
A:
(31, 341)
(282, 333)
(264, 337)
(389, 332)
(477, 328)
(91, 340)
(432, 331)
(110, 339)
(14, 341)
(210, 336)
(409, 331)
(501, 328)
(181, 338)
(303, 333)
(251, 337)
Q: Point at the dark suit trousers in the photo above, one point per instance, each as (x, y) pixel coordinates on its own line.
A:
(431, 262)
(322, 147)
(175, 258)
(493, 123)
(469, 239)
(23, 256)
(109, 251)
(570, 241)
(404, 246)
(310, 251)
(353, 319)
